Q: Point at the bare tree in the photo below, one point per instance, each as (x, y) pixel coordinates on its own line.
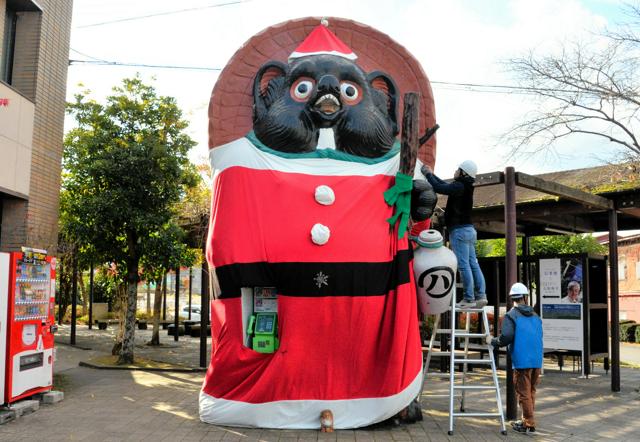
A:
(591, 89)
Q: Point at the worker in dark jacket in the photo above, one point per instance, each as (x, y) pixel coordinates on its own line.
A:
(522, 332)
(462, 234)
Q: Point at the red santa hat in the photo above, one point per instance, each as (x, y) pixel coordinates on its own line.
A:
(322, 41)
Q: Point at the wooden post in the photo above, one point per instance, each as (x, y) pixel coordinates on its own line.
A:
(74, 296)
(164, 297)
(526, 265)
(148, 296)
(176, 315)
(511, 271)
(615, 307)
(190, 281)
(496, 311)
(91, 296)
(409, 142)
(63, 268)
(204, 307)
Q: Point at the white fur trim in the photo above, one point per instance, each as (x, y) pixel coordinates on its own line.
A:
(296, 54)
(305, 414)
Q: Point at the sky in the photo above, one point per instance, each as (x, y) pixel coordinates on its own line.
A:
(456, 41)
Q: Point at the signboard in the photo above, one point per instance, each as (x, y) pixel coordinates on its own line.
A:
(265, 299)
(561, 303)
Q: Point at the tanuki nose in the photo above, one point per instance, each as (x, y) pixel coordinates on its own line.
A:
(329, 83)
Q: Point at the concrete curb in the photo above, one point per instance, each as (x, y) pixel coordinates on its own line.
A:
(157, 369)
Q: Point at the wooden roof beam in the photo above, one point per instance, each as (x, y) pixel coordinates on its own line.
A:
(489, 179)
(566, 192)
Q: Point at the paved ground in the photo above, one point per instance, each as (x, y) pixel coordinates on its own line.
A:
(133, 405)
(630, 353)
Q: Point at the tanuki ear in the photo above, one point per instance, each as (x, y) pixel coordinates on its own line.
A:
(385, 84)
(270, 70)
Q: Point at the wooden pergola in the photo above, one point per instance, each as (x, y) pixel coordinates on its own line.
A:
(510, 204)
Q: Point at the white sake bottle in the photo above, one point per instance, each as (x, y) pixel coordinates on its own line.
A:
(434, 267)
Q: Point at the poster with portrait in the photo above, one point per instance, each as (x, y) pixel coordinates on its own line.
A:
(561, 303)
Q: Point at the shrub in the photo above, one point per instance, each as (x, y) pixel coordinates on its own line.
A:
(637, 335)
(143, 316)
(627, 331)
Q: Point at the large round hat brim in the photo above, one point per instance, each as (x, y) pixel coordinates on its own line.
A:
(230, 107)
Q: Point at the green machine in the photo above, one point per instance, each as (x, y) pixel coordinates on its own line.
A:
(263, 329)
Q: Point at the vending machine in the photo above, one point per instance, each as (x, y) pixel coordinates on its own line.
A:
(29, 318)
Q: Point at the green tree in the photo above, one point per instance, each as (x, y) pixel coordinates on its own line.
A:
(126, 167)
(165, 250)
(544, 245)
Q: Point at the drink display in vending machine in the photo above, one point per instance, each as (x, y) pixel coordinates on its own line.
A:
(30, 324)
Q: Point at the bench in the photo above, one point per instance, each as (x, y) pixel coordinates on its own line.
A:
(103, 323)
(188, 324)
(171, 330)
(194, 331)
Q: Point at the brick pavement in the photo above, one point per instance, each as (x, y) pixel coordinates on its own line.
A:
(133, 405)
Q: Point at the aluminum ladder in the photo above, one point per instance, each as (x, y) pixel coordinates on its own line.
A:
(462, 357)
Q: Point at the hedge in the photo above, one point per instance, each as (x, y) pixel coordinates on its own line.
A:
(638, 335)
(628, 331)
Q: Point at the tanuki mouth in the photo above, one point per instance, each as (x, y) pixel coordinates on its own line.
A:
(327, 104)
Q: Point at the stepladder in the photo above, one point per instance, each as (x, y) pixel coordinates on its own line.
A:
(459, 346)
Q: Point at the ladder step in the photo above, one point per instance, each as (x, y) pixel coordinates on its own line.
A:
(474, 387)
(440, 353)
(437, 375)
(463, 334)
(477, 414)
(469, 310)
(472, 361)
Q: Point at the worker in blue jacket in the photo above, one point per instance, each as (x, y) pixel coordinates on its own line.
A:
(522, 332)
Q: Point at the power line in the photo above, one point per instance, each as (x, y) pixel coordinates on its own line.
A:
(87, 55)
(157, 66)
(158, 14)
(448, 85)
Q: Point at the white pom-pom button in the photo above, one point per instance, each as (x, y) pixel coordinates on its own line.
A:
(325, 195)
(320, 234)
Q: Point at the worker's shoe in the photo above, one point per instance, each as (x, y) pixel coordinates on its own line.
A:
(520, 427)
(481, 302)
(466, 304)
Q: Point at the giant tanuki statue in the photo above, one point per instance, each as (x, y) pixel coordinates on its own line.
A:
(299, 213)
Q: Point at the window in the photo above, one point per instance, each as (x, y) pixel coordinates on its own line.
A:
(622, 268)
(15, 34)
(638, 269)
(8, 44)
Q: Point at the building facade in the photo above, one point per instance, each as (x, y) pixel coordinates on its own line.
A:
(629, 277)
(34, 54)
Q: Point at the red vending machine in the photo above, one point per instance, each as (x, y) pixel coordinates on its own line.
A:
(30, 325)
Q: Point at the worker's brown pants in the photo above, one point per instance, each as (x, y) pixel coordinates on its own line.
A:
(525, 381)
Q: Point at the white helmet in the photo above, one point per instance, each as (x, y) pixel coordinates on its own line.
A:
(518, 290)
(469, 167)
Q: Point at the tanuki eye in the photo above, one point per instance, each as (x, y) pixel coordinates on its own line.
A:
(301, 89)
(349, 92)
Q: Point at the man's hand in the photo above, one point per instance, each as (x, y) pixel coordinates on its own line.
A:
(488, 339)
(423, 200)
(425, 170)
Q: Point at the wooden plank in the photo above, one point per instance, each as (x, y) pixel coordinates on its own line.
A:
(489, 179)
(573, 223)
(588, 199)
(497, 227)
